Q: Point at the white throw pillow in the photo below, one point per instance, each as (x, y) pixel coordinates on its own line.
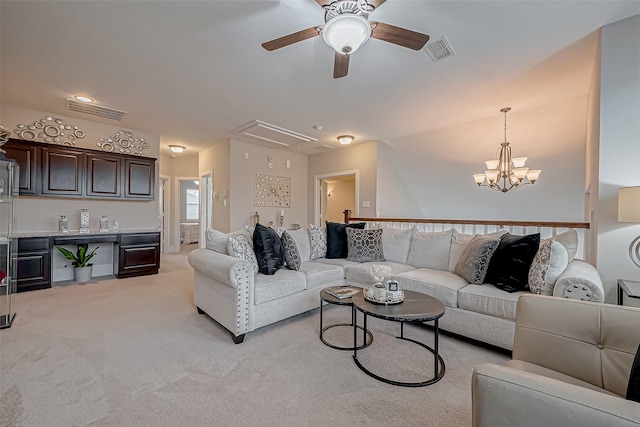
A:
(396, 243)
(430, 249)
(549, 263)
(217, 240)
(239, 247)
(318, 239)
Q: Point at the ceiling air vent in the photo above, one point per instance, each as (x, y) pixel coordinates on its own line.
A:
(271, 133)
(323, 147)
(439, 49)
(95, 110)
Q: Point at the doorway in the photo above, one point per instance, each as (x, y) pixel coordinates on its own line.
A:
(187, 211)
(335, 192)
(164, 204)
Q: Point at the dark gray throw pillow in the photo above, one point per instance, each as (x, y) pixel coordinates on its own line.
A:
(268, 248)
(633, 389)
(509, 266)
(291, 253)
(337, 238)
(474, 261)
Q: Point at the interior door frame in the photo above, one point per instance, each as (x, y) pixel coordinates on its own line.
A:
(165, 209)
(206, 212)
(317, 191)
(176, 207)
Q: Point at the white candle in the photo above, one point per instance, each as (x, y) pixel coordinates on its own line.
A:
(282, 212)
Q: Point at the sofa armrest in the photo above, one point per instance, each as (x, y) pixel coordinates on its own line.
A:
(580, 280)
(220, 267)
(504, 396)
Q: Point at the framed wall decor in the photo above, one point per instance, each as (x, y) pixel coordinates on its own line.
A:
(272, 191)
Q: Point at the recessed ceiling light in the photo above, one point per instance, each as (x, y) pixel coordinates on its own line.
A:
(83, 98)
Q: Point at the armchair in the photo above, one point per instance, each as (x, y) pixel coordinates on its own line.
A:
(571, 365)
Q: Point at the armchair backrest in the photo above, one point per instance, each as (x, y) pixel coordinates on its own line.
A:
(593, 342)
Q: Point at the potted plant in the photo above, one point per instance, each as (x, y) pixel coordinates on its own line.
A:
(82, 268)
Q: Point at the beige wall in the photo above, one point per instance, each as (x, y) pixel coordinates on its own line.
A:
(361, 157)
(343, 196)
(33, 214)
(619, 148)
(243, 170)
(216, 159)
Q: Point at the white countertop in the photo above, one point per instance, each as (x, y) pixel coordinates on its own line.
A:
(72, 233)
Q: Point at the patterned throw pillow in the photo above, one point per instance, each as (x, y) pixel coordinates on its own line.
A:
(549, 263)
(318, 238)
(364, 245)
(239, 247)
(291, 254)
(474, 261)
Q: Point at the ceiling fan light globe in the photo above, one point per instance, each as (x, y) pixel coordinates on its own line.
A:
(347, 32)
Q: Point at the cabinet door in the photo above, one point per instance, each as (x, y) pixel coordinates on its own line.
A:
(62, 171)
(33, 264)
(27, 158)
(104, 174)
(139, 177)
(137, 255)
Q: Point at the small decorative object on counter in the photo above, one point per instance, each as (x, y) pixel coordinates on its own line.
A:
(282, 218)
(84, 221)
(255, 219)
(115, 224)
(104, 224)
(379, 271)
(63, 224)
(392, 286)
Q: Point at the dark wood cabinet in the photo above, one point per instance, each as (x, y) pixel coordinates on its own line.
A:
(28, 159)
(104, 175)
(33, 263)
(137, 255)
(62, 171)
(139, 178)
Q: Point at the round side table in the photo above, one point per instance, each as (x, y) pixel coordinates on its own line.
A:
(367, 337)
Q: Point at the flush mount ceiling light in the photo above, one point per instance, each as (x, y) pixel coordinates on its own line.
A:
(345, 139)
(346, 33)
(82, 98)
(176, 148)
(506, 173)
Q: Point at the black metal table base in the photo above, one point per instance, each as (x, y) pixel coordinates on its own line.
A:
(438, 362)
(367, 337)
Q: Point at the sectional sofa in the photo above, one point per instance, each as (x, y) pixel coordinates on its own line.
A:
(228, 289)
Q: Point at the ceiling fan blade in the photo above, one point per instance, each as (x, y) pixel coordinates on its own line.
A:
(340, 65)
(400, 36)
(292, 38)
(376, 3)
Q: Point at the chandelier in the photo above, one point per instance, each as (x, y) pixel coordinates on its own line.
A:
(506, 173)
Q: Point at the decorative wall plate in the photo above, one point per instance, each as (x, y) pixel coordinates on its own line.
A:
(272, 191)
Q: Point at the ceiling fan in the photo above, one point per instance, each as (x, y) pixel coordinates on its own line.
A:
(347, 27)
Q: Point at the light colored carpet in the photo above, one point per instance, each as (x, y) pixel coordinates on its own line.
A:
(134, 352)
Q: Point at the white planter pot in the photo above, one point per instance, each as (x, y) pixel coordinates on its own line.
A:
(83, 274)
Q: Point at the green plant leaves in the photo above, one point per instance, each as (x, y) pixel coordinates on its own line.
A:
(81, 257)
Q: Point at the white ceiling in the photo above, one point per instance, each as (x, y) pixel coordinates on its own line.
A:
(194, 71)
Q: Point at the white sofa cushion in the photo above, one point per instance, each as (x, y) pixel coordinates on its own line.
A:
(568, 239)
(359, 273)
(487, 299)
(284, 282)
(217, 240)
(459, 241)
(430, 249)
(340, 262)
(396, 243)
(301, 237)
(443, 285)
(320, 275)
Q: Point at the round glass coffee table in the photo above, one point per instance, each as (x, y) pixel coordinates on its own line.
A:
(415, 308)
(367, 338)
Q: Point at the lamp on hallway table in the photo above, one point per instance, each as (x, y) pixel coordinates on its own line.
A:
(629, 211)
